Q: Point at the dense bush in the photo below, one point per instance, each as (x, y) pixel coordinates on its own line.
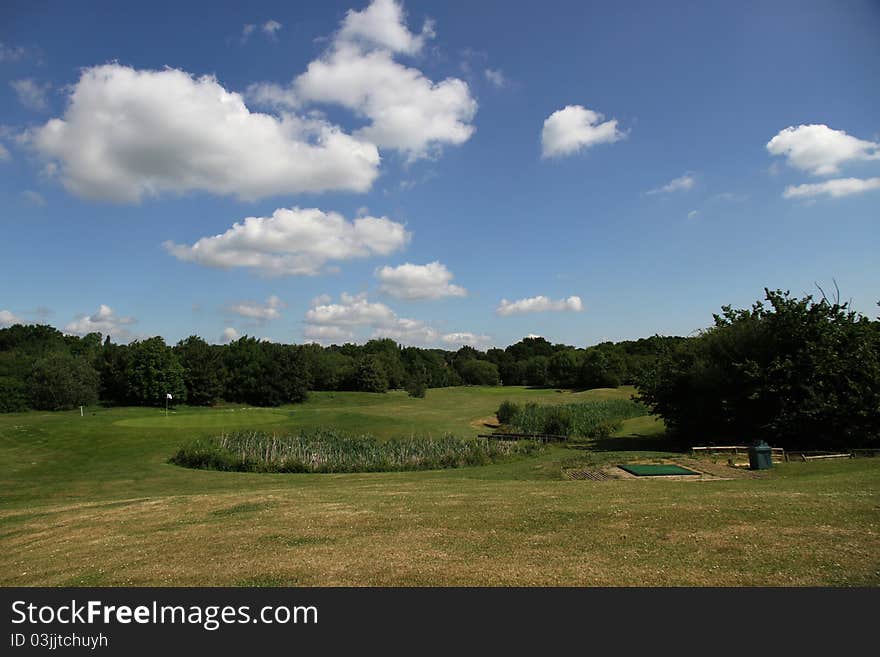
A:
(794, 372)
(332, 451)
(479, 373)
(506, 412)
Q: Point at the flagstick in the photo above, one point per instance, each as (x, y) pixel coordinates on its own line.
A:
(166, 405)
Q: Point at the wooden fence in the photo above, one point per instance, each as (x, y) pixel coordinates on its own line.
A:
(776, 453)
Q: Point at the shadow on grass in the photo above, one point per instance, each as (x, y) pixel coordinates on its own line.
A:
(639, 442)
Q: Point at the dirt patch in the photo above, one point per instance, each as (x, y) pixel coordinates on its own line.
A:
(488, 422)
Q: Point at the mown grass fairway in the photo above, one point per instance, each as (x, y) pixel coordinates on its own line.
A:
(93, 501)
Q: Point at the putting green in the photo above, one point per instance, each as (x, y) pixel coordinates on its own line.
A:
(226, 418)
(656, 470)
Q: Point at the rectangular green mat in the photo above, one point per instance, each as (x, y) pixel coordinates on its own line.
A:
(656, 470)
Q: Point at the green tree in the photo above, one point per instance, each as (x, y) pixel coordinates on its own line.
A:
(151, 371)
(479, 373)
(794, 372)
(61, 382)
(204, 374)
(370, 375)
(601, 367)
(563, 368)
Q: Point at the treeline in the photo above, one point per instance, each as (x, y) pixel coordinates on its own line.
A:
(795, 372)
(41, 368)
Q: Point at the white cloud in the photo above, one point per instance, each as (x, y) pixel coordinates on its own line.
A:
(496, 77)
(31, 93)
(834, 188)
(7, 318)
(259, 311)
(820, 150)
(270, 27)
(352, 310)
(409, 332)
(130, 133)
(338, 322)
(105, 322)
(321, 300)
(682, 184)
(693, 214)
(404, 109)
(294, 242)
(33, 198)
(539, 304)
(4, 153)
(407, 111)
(328, 334)
(575, 127)
(383, 25)
(470, 339)
(229, 335)
(414, 282)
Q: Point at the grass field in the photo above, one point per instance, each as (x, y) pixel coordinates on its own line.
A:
(93, 501)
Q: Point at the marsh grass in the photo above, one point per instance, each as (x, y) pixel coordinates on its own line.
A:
(326, 450)
(589, 420)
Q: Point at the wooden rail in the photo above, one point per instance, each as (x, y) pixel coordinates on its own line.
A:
(776, 453)
(826, 456)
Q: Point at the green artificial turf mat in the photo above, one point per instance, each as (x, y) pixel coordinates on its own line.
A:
(656, 470)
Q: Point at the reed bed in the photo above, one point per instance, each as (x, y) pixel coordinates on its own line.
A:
(596, 419)
(334, 451)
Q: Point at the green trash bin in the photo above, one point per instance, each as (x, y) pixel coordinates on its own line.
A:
(760, 456)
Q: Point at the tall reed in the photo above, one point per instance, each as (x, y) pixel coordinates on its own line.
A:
(328, 450)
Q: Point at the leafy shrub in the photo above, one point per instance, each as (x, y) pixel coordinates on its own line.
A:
(506, 411)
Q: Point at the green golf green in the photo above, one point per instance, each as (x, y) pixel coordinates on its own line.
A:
(656, 470)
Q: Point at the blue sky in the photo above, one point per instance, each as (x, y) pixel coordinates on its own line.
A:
(440, 173)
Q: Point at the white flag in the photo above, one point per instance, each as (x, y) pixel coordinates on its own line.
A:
(168, 394)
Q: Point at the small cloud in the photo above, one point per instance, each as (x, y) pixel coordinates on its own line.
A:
(260, 312)
(820, 150)
(574, 128)
(693, 214)
(539, 304)
(418, 282)
(834, 188)
(270, 27)
(4, 154)
(33, 198)
(229, 334)
(496, 77)
(31, 94)
(682, 184)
